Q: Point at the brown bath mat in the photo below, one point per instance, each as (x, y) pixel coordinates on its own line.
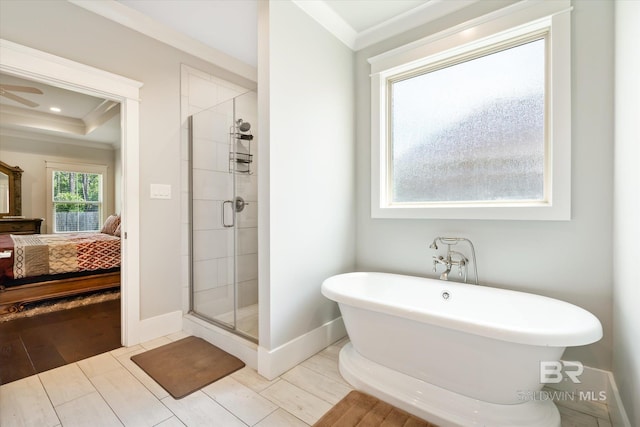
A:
(187, 365)
(361, 410)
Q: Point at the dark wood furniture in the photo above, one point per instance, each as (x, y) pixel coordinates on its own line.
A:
(16, 297)
(10, 190)
(11, 219)
(20, 225)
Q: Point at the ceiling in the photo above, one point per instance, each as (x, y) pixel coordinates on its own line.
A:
(230, 26)
(82, 118)
(226, 26)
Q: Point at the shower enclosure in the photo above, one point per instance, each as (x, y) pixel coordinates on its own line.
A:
(224, 215)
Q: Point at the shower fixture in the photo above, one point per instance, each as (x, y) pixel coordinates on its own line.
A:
(240, 157)
(243, 126)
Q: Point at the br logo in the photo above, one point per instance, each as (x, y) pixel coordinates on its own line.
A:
(551, 371)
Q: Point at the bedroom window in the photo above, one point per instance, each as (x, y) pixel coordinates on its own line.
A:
(76, 194)
(474, 123)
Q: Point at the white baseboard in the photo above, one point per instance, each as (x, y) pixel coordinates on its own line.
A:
(241, 348)
(158, 326)
(616, 409)
(272, 363)
(598, 385)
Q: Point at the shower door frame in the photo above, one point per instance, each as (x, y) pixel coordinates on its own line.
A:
(219, 323)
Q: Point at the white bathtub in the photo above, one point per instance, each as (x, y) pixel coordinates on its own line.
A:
(453, 353)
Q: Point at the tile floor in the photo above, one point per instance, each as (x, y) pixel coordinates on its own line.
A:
(110, 390)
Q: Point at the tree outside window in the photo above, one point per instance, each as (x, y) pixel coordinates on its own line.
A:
(77, 201)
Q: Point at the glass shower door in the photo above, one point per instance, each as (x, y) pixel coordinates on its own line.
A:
(223, 202)
(212, 242)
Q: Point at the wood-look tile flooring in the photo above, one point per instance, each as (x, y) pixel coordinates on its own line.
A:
(111, 390)
(32, 345)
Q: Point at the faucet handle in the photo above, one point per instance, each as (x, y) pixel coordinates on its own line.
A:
(462, 264)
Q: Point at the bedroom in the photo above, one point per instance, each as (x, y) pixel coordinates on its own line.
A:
(62, 146)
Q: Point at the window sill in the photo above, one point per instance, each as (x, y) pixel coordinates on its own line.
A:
(501, 211)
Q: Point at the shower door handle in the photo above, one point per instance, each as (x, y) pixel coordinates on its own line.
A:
(224, 213)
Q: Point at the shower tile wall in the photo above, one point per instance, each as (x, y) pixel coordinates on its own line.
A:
(213, 273)
(247, 187)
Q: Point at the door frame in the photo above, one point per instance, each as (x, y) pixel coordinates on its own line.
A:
(25, 62)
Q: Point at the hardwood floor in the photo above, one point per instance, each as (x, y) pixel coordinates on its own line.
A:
(36, 344)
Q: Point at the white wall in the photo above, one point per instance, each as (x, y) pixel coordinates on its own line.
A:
(566, 260)
(31, 153)
(90, 39)
(626, 251)
(305, 91)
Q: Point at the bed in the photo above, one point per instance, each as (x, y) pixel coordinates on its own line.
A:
(37, 267)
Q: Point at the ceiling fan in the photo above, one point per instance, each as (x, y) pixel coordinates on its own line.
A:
(5, 90)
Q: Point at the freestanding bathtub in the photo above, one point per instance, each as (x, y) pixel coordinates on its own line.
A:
(453, 353)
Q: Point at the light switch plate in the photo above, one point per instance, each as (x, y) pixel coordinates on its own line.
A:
(160, 191)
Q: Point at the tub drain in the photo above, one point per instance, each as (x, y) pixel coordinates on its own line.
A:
(446, 295)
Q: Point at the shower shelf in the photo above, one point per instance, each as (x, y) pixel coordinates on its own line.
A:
(243, 136)
(240, 157)
(240, 162)
(243, 157)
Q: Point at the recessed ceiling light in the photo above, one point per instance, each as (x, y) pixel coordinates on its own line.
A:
(55, 109)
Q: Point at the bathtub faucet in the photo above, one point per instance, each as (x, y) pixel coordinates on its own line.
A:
(453, 258)
(449, 262)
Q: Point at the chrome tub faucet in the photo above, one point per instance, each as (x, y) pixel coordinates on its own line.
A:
(453, 258)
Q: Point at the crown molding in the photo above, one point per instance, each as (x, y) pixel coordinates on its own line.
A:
(48, 138)
(16, 116)
(137, 21)
(100, 115)
(332, 22)
(434, 9)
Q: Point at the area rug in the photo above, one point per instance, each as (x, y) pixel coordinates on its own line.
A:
(358, 409)
(43, 307)
(187, 365)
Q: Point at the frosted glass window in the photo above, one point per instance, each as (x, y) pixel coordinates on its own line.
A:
(473, 131)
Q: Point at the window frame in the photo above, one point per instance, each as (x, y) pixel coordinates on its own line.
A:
(77, 168)
(501, 28)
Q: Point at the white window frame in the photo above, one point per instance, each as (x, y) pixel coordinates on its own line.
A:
(518, 20)
(80, 168)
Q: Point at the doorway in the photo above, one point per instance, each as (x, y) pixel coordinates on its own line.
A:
(24, 62)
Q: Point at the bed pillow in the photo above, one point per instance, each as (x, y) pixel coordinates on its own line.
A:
(111, 225)
(117, 232)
